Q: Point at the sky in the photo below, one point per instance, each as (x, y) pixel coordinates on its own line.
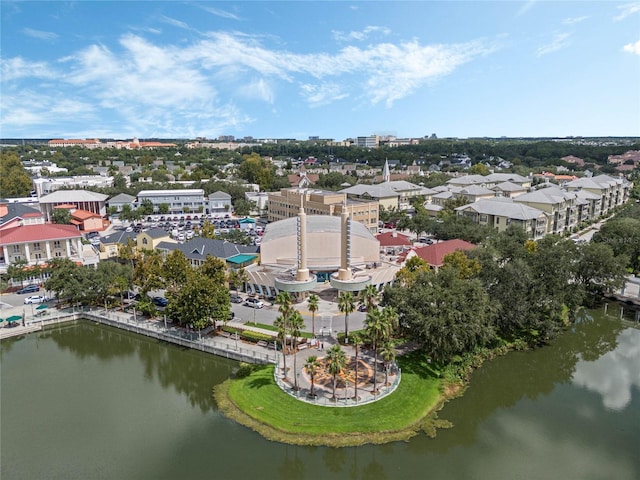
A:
(332, 69)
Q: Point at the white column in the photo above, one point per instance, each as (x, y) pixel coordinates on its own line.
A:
(27, 253)
(6, 254)
(68, 248)
(47, 247)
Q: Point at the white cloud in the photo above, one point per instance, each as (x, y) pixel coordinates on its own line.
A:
(632, 48)
(626, 11)
(615, 374)
(170, 90)
(560, 40)
(174, 22)
(359, 35)
(17, 67)
(220, 13)
(318, 95)
(259, 90)
(574, 20)
(40, 34)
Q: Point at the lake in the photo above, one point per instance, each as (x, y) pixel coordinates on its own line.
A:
(85, 401)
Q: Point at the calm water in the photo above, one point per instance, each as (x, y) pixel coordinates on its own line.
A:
(89, 402)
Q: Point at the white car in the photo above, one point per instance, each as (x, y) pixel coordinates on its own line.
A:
(36, 299)
(253, 302)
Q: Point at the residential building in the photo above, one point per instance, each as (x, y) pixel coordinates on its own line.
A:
(178, 201)
(500, 213)
(44, 186)
(80, 199)
(490, 181)
(259, 198)
(38, 243)
(220, 202)
(509, 190)
(287, 202)
(613, 192)
(120, 201)
(371, 141)
(392, 194)
(560, 206)
(198, 249)
(150, 239)
(393, 242)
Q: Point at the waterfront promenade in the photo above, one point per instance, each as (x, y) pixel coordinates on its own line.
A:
(204, 341)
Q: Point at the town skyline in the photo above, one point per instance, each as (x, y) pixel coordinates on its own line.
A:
(329, 70)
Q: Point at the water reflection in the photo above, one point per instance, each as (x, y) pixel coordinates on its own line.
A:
(188, 372)
(615, 373)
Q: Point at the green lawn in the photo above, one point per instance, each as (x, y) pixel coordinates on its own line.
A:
(278, 416)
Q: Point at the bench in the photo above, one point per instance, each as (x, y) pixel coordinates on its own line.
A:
(262, 343)
(222, 333)
(302, 346)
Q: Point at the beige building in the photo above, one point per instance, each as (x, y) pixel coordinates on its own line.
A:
(287, 202)
(500, 213)
(560, 206)
(613, 191)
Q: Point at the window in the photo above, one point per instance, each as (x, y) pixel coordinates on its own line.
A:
(56, 244)
(36, 246)
(144, 241)
(16, 249)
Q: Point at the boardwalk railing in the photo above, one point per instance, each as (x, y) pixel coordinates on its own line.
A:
(229, 348)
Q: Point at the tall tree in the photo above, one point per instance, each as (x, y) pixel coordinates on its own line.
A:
(15, 181)
(176, 270)
(311, 366)
(346, 304)
(296, 323)
(368, 297)
(200, 301)
(312, 305)
(388, 353)
(335, 361)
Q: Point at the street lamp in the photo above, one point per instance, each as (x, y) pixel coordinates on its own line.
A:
(236, 341)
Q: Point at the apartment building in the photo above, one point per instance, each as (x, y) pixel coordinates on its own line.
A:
(44, 186)
(613, 191)
(500, 213)
(178, 201)
(287, 202)
(560, 206)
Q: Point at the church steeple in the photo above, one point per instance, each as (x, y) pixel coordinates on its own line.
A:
(386, 176)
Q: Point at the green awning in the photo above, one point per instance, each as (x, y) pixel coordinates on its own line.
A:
(14, 318)
(246, 220)
(242, 258)
(41, 307)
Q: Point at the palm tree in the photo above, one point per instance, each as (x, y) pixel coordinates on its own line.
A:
(346, 304)
(336, 361)
(368, 297)
(357, 341)
(284, 302)
(376, 328)
(312, 305)
(296, 322)
(311, 366)
(281, 324)
(391, 318)
(388, 353)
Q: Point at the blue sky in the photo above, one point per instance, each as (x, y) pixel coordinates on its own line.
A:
(336, 69)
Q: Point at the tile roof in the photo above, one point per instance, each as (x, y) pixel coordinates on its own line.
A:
(37, 233)
(393, 239)
(122, 198)
(434, 254)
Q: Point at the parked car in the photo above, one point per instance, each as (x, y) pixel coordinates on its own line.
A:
(253, 302)
(36, 299)
(160, 301)
(236, 299)
(362, 308)
(29, 289)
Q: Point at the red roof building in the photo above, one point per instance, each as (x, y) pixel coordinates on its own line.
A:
(38, 243)
(393, 240)
(434, 254)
